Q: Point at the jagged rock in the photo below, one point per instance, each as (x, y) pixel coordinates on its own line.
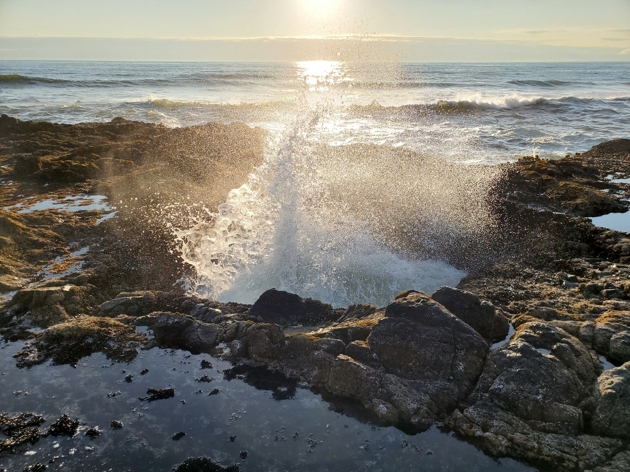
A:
(482, 316)
(502, 434)
(360, 351)
(284, 308)
(533, 399)
(612, 413)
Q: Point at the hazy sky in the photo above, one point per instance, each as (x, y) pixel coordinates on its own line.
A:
(268, 30)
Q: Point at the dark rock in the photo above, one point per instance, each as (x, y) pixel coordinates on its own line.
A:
(129, 378)
(158, 394)
(204, 464)
(284, 308)
(421, 341)
(183, 332)
(206, 364)
(64, 426)
(242, 454)
(115, 424)
(482, 316)
(178, 436)
(204, 378)
(533, 399)
(214, 391)
(144, 371)
(93, 433)
(612, 413)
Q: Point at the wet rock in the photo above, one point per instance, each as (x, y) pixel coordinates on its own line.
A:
(612, 413)
(204, 378)
(45, 306)
(533, 401)
(214, 391)
(284, 308)
(206, 364)
(64, 426)
(242, 455)
(158, 394)
(264, 341)
(68, 342)
(93, 433)
(132, 304)
(504, 435)
(204, 464)
(20, 430)
(420, 340)
(182, 331)
(360, 351)
(178, 436)
(619, 463)
(115, 424)
(482, 316)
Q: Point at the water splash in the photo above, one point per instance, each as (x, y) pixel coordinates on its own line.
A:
(342, 224)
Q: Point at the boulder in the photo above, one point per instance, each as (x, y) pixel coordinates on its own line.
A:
(612, 413)
(482, 316)
(420, 340)
(183, 331)
(284, 308)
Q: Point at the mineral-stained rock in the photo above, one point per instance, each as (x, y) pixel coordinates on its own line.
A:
(612, 413)
(482, 316)
(204, 464)
(284, 308)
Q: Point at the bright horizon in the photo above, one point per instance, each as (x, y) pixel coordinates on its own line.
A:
(294, 30)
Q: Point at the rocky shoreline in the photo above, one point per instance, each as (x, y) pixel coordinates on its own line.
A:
(511, 360)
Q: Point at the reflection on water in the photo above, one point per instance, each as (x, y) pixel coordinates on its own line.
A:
(302, 433)
(616, 221)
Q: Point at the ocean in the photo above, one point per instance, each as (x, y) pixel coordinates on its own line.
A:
(369, 185)
(467, 112)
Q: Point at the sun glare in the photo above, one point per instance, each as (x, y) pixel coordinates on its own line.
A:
(317, 75)
(318, 6)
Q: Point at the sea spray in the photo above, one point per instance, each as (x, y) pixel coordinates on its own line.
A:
(342, 224)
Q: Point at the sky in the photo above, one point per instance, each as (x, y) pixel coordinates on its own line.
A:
(292, 30)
